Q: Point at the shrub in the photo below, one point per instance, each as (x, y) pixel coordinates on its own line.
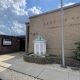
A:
(77, 51)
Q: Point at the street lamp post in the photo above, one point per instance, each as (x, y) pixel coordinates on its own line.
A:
(62, 34)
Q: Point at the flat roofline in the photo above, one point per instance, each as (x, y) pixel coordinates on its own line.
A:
(6, 35)
(67, 7)
(20, 36)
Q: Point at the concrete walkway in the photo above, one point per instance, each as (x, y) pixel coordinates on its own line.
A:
(6, 74)
(44, 72)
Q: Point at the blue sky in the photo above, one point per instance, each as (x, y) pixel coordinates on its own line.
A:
(47, 5)
(14, 13)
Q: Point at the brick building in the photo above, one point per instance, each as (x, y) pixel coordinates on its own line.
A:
(10, 44)
(49, 26)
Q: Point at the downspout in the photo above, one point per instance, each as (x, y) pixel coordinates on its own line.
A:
(27, 39)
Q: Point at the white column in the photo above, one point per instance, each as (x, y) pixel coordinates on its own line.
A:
(39, 49)
(35, 48)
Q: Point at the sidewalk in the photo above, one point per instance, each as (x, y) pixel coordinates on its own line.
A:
(6, 74)
(46, 72)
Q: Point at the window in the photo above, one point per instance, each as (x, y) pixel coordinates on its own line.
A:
(34, 34)
(6, 42)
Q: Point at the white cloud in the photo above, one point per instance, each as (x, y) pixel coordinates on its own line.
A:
(18, 28)
(67, 4)
(35, 10)
(2, 26)
(4, 29)
(17, 6)
(2, 33)
(13, 15)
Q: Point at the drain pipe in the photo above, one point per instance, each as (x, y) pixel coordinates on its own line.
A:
(27, 38)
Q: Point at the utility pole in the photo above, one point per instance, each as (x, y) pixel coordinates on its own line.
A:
(62, 34)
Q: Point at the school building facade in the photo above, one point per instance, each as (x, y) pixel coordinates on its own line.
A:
(48, 25)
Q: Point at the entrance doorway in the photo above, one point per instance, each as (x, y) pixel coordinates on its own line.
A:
(22, 44)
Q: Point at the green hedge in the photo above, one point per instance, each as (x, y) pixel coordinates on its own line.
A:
(77, 51)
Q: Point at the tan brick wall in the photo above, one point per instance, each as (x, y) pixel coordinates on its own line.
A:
(49, 26)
